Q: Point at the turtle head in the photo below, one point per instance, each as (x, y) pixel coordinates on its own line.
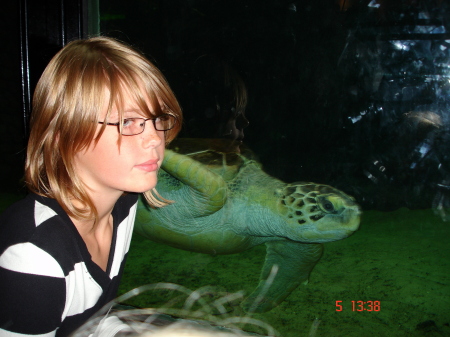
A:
(318, 213)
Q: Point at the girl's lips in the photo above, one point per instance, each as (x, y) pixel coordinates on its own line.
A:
(148, 166)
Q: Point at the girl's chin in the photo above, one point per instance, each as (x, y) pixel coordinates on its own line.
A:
(143, 188)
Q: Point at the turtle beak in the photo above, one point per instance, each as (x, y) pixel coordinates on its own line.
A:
(352, 218)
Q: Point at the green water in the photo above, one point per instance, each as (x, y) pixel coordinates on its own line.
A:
(400, 259)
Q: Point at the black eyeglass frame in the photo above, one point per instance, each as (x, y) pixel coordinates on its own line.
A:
(153, 119)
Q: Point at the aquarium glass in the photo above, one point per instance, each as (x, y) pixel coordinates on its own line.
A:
(351, 94)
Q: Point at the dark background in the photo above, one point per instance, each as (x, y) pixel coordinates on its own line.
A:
(11, 125)
(328, 83)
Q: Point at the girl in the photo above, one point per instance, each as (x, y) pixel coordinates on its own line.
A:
(102, 115)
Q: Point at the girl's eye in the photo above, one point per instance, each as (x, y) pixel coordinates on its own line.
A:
(127, 122)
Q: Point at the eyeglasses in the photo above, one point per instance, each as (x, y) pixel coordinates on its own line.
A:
(135, 126)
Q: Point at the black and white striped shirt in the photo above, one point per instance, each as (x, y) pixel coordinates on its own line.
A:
(49, 286)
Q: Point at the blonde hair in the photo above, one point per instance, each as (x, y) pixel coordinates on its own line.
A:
(67, 103)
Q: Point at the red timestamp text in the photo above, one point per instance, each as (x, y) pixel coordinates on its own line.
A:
(360, 305)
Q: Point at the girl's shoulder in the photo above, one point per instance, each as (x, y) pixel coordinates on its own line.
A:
(17, 222)
(30, 212)
(36, 222)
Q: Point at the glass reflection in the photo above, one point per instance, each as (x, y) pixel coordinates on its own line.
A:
(354, 94)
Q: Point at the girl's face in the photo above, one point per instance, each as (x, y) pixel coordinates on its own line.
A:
(132, 166)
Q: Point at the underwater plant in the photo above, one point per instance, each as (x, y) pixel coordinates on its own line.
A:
(197, 316)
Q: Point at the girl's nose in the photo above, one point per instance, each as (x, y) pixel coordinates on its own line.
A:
(150, 137)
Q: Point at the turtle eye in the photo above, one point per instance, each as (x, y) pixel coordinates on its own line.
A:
(327, 205)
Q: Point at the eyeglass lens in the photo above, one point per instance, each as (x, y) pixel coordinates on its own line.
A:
(134, 126)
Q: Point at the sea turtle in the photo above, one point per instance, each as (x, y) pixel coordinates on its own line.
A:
(224, 203)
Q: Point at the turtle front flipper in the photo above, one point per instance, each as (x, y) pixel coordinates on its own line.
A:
(207, 187)
(294, 262)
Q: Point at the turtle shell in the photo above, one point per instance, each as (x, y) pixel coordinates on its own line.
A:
(223, 156)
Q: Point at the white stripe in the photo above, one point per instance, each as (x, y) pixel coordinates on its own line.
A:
(82, 291)
(6, 333)
(124, 233)
(42, 213)
(30, 259)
